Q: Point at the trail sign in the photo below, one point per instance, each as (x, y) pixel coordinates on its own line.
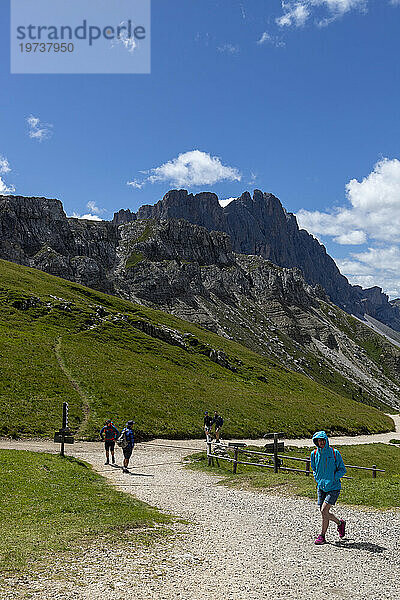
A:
(270, 447)
(60, 437)
(63, 436)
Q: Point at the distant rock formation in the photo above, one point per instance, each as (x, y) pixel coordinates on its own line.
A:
(123, 216)
(259, 225)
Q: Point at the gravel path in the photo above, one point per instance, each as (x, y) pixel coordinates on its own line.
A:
(237, 545)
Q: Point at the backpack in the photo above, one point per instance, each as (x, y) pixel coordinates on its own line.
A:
(122, 442)
(334, 454)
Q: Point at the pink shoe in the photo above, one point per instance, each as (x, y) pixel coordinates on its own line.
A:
(320, 540)
(341, 528)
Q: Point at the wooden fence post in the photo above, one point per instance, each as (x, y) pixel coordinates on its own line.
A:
(373, 471)
(235, 459)
(308, 467)
(276, 460)
(209, 453)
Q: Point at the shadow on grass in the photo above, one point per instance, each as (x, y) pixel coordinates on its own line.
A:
(367, 546)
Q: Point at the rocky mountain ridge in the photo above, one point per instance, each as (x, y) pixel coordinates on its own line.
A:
(193, 273)
(260, 225)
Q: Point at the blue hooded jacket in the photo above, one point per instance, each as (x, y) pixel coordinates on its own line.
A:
(327, 465)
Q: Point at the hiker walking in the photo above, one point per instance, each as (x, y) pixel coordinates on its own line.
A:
(109, 434)
(328, 468)
(208, 421)
(127, 432)
(218, 422)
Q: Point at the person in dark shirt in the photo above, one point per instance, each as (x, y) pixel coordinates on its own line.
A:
(218, 422)
(109, 434)
(128, 433)
(207, 424)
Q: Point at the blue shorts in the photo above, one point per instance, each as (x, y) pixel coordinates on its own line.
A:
(127, 451)
(328, 497)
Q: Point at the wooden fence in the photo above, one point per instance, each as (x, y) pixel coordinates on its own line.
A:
(276, 460)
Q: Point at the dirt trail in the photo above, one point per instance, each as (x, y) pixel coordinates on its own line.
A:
(238, 545)
(345, 440)
(75, 385)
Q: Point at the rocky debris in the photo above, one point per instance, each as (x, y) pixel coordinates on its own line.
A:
(186, 341)
(161, 332)
(220, 358)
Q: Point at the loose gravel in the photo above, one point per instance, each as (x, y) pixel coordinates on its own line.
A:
(235, 544)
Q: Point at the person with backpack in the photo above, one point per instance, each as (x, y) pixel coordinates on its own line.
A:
(208, 421)
(129, 442)
(109, 434)
(218, 422)
(328, 468)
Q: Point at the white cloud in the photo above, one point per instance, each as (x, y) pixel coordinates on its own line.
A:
(6, 189)
(264, 38)
(4, 169)
(352, 238)
(225, 202)
(380, 258)
(372, 214)
(296, 13)
(253, 178)
(94, 208)
(136, 184)
(228, 49)
(376, 266)
(374, 209)
(93, 215)
(267, 38)
(87, 217)
(4, 165)
(37, 130)
(192, 168)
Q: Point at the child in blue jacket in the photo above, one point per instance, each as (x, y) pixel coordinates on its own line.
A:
(328, 468)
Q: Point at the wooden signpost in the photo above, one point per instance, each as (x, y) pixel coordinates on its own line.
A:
(63, 435)
(275, 447)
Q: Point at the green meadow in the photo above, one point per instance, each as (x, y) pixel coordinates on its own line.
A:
(60, 341)
(51, 504)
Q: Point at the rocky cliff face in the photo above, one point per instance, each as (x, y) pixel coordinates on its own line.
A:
(196, 274)
(259, 225)
(36, 232)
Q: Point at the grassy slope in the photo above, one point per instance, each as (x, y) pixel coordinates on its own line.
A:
(116, 370)
(383, 492)
(50, 504)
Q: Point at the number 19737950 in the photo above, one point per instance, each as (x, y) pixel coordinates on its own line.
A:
(46, 47)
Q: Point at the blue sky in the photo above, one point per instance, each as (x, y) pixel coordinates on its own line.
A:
(298, 98)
